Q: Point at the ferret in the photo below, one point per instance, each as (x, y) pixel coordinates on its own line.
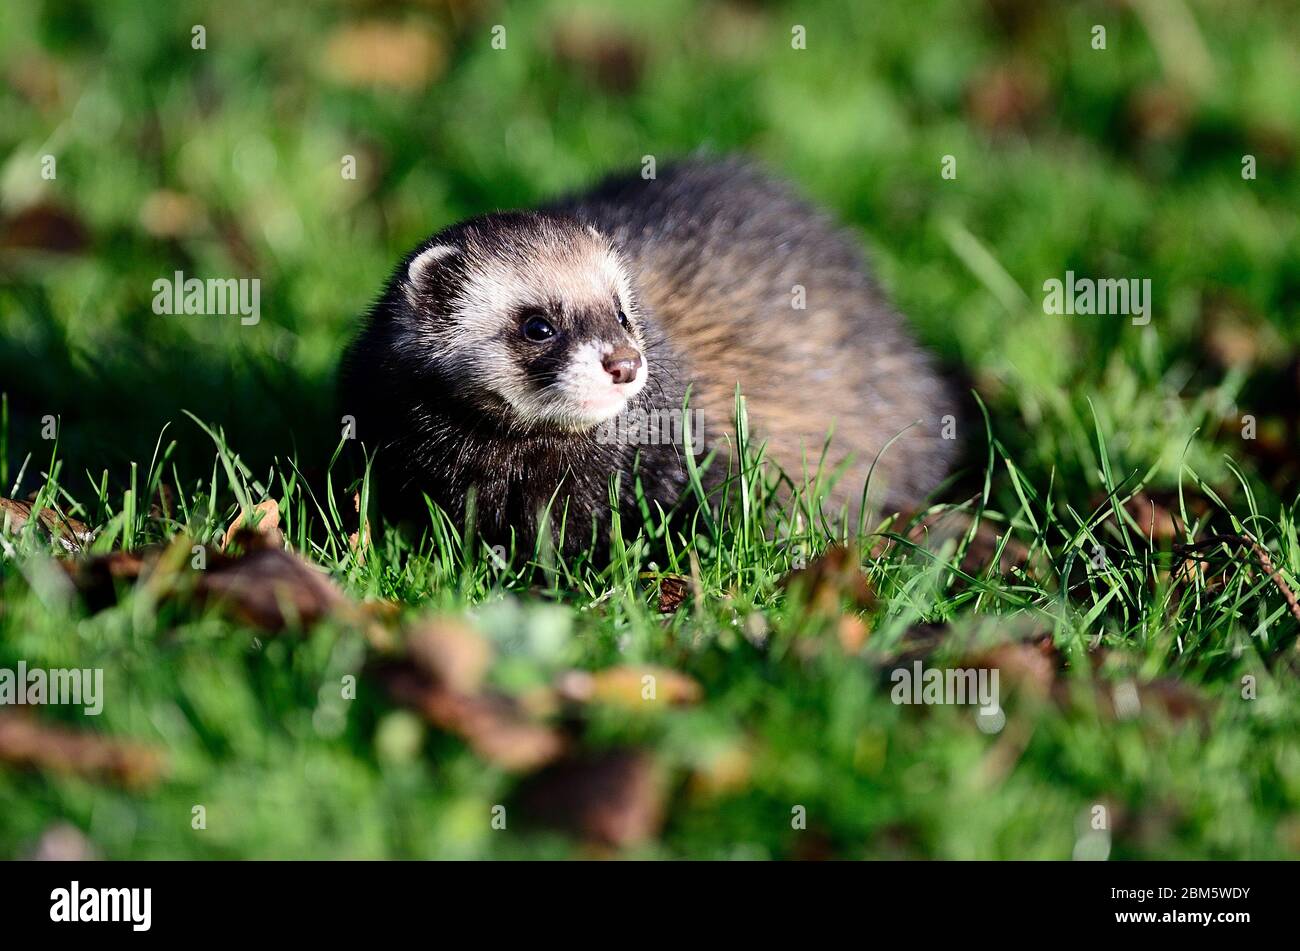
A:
(508, 352)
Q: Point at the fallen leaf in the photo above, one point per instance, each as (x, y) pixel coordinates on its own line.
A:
(1026, 665)
(722, 772)
(1008, 96)
(1272, 141)
(271, 589)
(44, 227)
(614, 798)
(1133, 699)
(97, 579)
(627, 686)
(1155, 519)
(852, 632)
(71, 534)
(163, 505)
(673, 590)
(813, 845)
(378, 619)
(1159, 112)
(169, 214)
(830, 581)
(359, 539)
(606, 54)
(268, 588)
(1232, 343)
(26, 742)
(403, 56)
(260, 529)
(1174, 699)
(734, 31)
(450, 652)
(917, 643)
(494, 726)
(1017, 19)
(42, 80)
(934, 529)
(1033, 667)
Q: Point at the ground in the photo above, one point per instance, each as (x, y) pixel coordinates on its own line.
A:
(1120, 543)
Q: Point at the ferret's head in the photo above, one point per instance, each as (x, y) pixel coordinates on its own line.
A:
(529, 316)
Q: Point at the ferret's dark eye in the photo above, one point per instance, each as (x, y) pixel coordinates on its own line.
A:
(538, 329)
(623, 321)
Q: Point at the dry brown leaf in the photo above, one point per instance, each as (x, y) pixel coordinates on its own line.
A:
(1131, 699)
(831, 581)
(1031, 662)
(1033, 667)
(1018, 19)
(933, 530)
(164, 502)
(613, 799)
(42, 80)
(1157, 521)
(852, 632)
(1030, 666)
(1232, 343)
(451, 653)
(1155, 512)
(386, 55)
(71, 534)
(359, 540)
(1273, 141)
(723, 772)
(673, 590)
(44, 227)
(631, 687)
(441, 677)
(169, 214)
(1159, 112)
(257, 529)
(1011, 95)
(1175, 700)
(97, 579)
(607, 55)
(378, 618)
(26, 742)
(271, 589)
(918, 642)
(494, 726)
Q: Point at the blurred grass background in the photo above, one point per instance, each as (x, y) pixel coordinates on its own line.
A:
(226, 162)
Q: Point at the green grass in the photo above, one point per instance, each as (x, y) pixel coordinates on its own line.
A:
(1124, 162)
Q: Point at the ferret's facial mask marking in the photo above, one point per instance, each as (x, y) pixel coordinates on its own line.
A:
(574, 358)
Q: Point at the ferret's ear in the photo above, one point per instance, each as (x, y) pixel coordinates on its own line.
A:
(418, 271)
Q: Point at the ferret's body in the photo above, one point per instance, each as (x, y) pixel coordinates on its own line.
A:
(727, 279)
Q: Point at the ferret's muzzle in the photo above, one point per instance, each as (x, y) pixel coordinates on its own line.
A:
(622, 364)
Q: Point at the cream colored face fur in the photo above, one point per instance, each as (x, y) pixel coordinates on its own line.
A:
(573, 278)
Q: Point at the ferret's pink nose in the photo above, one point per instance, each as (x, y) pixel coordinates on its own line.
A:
(622, 364)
